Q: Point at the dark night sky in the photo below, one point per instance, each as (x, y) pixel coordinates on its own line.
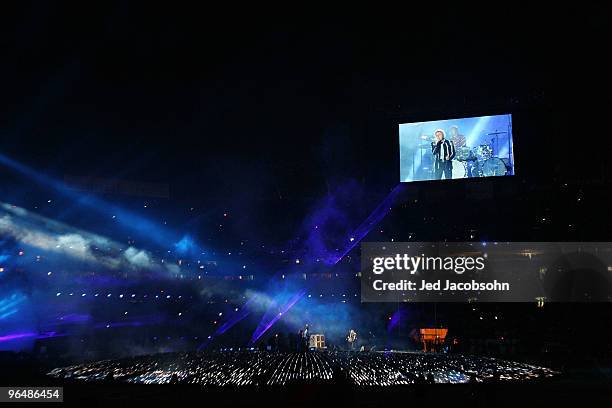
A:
(227, 100)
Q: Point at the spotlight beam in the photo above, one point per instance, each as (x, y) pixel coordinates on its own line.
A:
(265, 326)
(358, 234)
(128, 219)
(373, 219)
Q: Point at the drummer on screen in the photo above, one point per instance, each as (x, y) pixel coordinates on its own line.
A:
(443, 151)
(457, 139)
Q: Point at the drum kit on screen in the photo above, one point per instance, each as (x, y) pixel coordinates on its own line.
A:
(478, 161)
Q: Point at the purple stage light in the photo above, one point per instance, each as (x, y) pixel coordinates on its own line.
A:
(395, 319)
(374, 218)
(264, 327)
(25, 335)
(16, 336)
(234, 318)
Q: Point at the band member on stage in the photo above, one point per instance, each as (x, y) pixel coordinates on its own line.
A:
(444, 152)
(305, 338)
(457, 139)
(352, 336)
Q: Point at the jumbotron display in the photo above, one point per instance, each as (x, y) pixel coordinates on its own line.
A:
(456, 148)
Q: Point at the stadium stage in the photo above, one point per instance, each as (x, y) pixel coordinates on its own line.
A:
(242, 368)
(288, 379)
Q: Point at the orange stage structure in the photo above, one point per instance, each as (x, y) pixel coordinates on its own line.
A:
(432, 339)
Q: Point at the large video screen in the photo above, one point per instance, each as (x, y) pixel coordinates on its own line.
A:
(456, 148)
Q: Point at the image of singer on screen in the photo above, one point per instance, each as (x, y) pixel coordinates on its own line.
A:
(456, 148)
